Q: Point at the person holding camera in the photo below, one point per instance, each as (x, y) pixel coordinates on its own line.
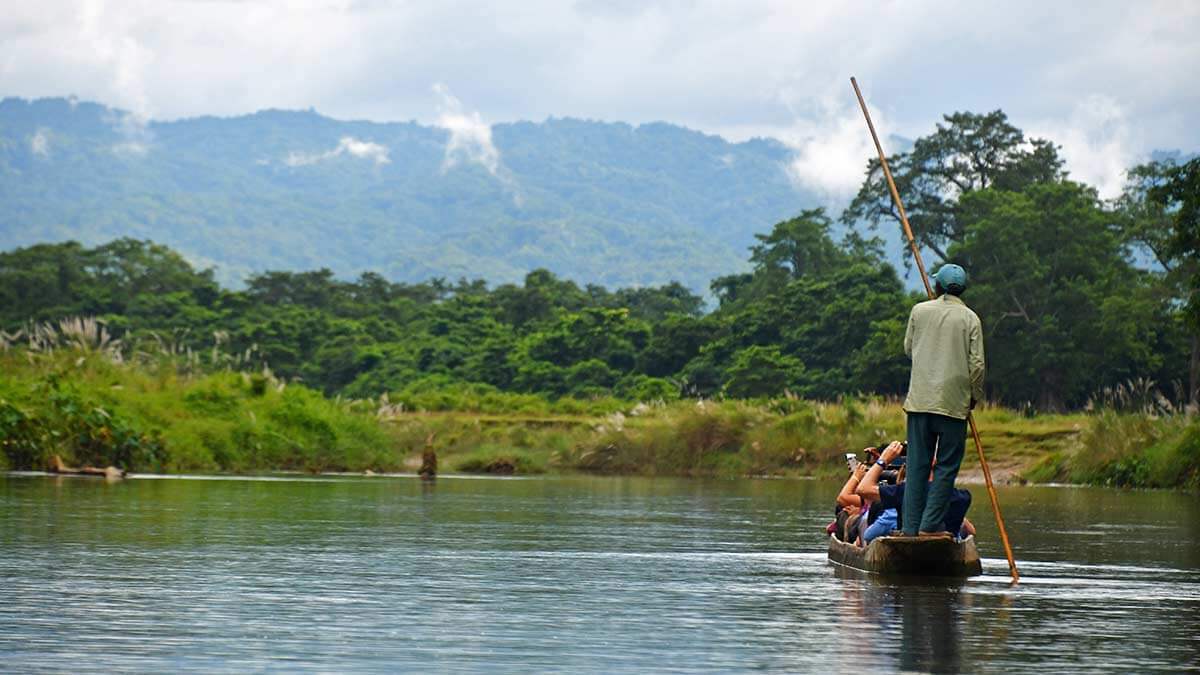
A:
(944, 339)
(851, 512)
(849, 507)
(869, 488)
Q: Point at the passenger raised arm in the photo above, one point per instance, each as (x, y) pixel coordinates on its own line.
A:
(847, 496)
(868, 487)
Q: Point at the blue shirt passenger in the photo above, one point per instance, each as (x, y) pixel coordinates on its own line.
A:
(892, 497)
(884, 524)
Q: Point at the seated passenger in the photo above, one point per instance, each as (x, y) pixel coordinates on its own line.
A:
(867, 509)
(892, 496)
(886, 522)
(847, 522)
(848, 496)
(847, 505)
(967, 529)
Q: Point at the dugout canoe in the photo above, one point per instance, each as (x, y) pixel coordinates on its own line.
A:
(910, 556)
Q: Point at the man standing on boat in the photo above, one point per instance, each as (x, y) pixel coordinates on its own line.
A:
(945, 342)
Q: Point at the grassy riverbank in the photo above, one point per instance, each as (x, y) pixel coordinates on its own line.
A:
(152, 416)
(724, 438)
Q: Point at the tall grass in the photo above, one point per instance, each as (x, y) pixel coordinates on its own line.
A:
(70, 389)
(440, 394)
(786, 436)
(1134, 437)
(90, 407)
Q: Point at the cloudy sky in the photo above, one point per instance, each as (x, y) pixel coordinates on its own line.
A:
(1109, 81)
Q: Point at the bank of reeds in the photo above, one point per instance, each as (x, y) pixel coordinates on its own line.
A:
(70, 390)
(784, 436)
(1134, 437)
(727, 438)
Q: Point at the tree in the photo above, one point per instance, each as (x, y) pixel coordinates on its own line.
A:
(814, 301)
(730, 288)
(827, 321)
(41, 282)
(55, 280)
(590, 377)
(1161, 209)
(674, 341)
(129, 267)
(542, 294)
(797, 247)
(317, 289)
(654, 303)
(762, 371)
(1063, 311)
(610, 335)
(339, 361)
(970, 152)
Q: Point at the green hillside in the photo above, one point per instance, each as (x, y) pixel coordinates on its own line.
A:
(604, 203)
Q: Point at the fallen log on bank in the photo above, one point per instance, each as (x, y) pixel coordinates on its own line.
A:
(58, 466)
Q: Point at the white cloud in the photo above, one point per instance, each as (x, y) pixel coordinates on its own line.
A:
(832, 146)
(39, 144)
(1098, 144)
(113, 42)
(471, 141)
(365, 150)
(470, 138)
(348, 145)
(718, 67)
(134, 129)
(295, 158)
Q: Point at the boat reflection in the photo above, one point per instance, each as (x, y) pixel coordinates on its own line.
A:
(913, 625)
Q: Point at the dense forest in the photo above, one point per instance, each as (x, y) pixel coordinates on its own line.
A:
(1066, 311)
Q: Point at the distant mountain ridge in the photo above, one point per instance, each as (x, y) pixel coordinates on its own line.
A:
(598, 202)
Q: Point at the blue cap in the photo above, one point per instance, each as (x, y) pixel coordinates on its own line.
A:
(951, 275)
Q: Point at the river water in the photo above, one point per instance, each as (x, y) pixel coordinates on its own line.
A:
(568, 574)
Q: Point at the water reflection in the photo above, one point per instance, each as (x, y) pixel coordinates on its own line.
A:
(929, 637)
(917, 625)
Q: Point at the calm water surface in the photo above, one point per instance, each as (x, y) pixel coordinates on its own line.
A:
(568, 574)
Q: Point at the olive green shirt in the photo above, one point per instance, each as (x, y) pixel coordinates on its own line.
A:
(945, 342)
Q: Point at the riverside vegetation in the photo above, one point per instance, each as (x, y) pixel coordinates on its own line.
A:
(305, 371)
(74, 394)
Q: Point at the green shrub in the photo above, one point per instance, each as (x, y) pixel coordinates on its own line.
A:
(21, 437)
(1138, 450)
(210, 398)
(646, 388)
(1048, 469)
(500, 461)
(145, 417)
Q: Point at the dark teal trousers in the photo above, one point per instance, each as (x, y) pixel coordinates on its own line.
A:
(926, 502)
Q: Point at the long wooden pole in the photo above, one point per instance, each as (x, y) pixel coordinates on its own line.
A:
(916, 251)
